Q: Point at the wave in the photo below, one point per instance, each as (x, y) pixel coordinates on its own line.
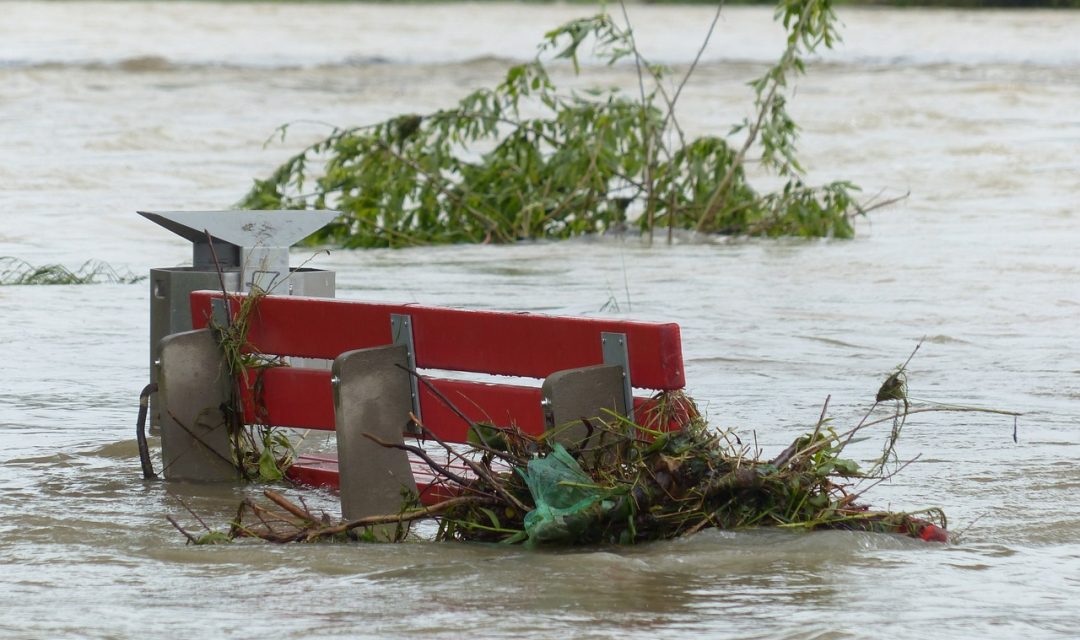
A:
(161, 64)
(143, 64)
(274, 36)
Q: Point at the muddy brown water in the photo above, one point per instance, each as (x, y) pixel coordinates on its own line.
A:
(108, 108)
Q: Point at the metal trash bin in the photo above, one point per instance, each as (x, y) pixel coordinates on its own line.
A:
(245, 249)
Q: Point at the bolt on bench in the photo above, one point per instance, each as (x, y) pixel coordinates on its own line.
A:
(587, 366)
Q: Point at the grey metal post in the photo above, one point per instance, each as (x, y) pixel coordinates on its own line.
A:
(570, 395)
(193, 385)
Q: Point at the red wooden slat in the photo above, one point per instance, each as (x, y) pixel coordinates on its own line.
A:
(303, 398)
(322, 472)
(500, 404)
(514, 344)
(291, 397)
(315, 471)
(488, 342)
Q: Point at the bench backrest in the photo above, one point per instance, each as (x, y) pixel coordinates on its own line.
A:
(498, 343)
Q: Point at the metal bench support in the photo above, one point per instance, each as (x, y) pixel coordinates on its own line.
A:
(372, 395)
(616, 351)
(573, 394)
(193, 385)
(402, 334)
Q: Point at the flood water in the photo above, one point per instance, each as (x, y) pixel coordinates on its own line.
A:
(109, 108)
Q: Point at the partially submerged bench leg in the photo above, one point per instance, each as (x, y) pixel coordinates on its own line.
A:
(193, 385)
(372, 395)
(573, 394)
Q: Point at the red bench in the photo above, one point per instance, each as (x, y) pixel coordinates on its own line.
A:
(566, 352)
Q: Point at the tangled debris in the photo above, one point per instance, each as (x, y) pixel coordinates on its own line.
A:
(668, 476)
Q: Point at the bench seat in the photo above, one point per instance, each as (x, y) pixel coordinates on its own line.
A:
(586, 366)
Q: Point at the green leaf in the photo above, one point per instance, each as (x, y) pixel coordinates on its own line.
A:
(486, 435)
(492, 517)
(847, 468)
(268, 467)
(213, 537)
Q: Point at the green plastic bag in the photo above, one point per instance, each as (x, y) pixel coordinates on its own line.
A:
(566, 498)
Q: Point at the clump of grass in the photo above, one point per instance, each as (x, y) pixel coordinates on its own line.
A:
(15, 271)
(259, 451)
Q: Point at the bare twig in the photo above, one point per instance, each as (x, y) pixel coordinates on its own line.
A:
(192, 539)
(888, 476)
(188, 509)
(646, 137)
(787, 454)
(423, 455)
(282, 502)
(473, 426)
(697, 58)
(221, 277)
(405, 516)
(870, 205)
(198, 439)
(476, 468)
(438, 394)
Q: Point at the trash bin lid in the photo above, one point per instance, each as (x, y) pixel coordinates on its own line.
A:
(243, 228)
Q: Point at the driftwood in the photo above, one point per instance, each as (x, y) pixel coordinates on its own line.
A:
(305, 526)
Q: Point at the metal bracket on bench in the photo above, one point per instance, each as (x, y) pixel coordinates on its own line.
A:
(401, 333)
(219, 312)
(372, 397)
(615, 352)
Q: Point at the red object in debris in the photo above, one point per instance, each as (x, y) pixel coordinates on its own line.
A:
(934, 533)
(322, 472)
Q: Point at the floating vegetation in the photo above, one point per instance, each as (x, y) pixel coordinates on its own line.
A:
(627, 483)
(527, 160)
(14, 271)
(259, 451)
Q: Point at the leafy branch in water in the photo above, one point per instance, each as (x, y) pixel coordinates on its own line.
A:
(525, 160)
